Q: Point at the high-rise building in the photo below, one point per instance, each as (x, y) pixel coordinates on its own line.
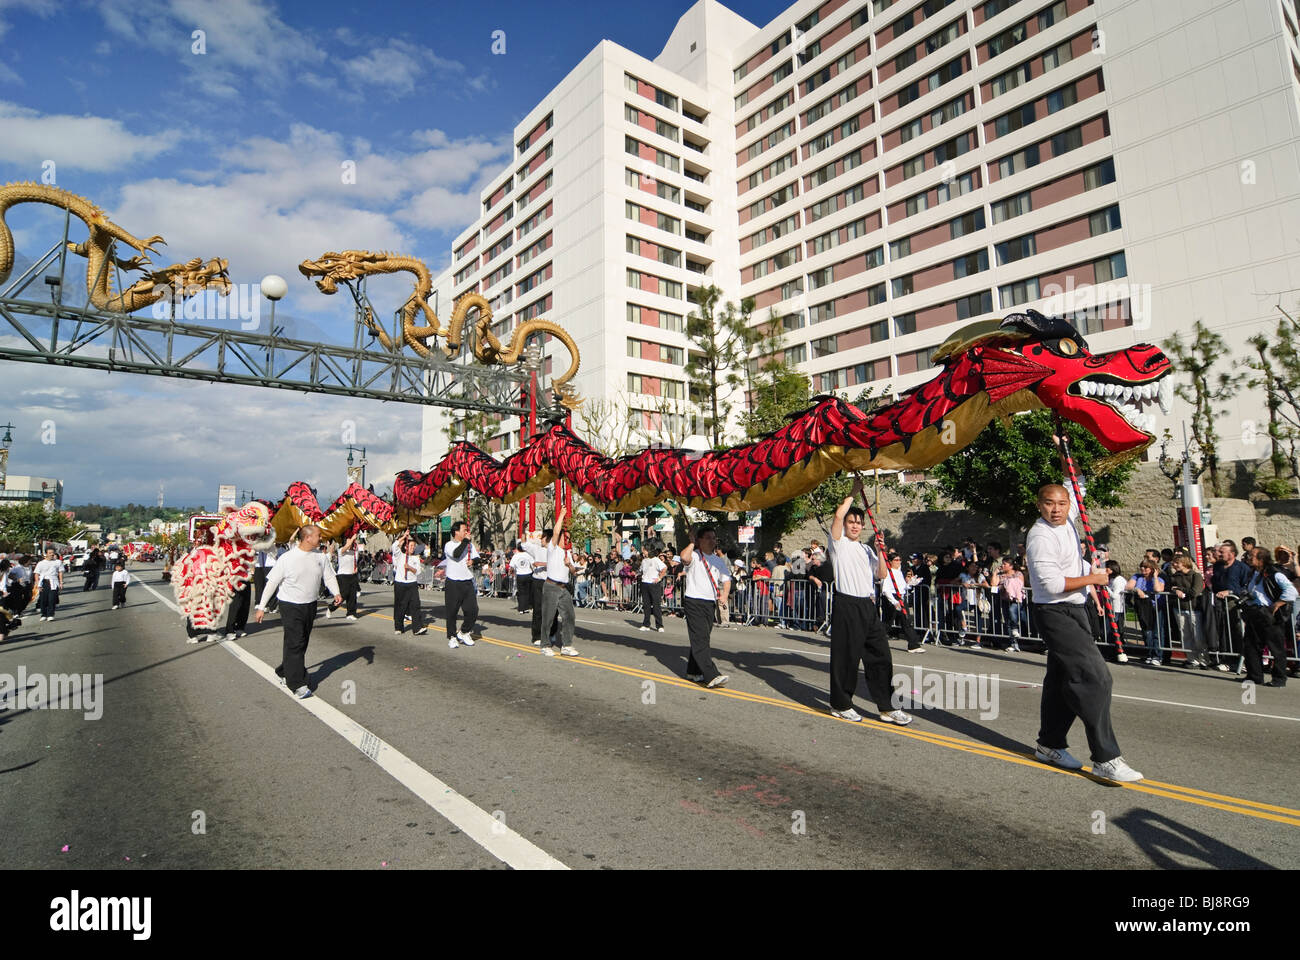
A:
(877, 173)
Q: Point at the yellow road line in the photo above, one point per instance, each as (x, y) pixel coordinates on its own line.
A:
(1203, 798)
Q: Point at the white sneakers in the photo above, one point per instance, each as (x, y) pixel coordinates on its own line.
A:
(351, 617)
(1060, 758)
(568, 652)
(643, 629)
(461, 639)
(548, 650)
(850, 715)
(896, 716)
(718, 681)
(1116, 770)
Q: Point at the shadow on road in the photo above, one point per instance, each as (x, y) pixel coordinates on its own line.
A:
(339, 661)
(1170, 844)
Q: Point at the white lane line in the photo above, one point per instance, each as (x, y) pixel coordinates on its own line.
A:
(477, 824)
(1038, 684)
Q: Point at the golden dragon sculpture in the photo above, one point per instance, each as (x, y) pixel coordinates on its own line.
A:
(97, 248)
(335, 267)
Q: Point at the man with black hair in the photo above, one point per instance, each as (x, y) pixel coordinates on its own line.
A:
(857, 635)
(539, 548)
(557, 603)
(296, 579)
(522, 566)
(460, 552)
(406, 586)
(1078, 682)
(705, 574)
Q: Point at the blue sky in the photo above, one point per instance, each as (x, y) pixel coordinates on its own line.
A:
(236, 151)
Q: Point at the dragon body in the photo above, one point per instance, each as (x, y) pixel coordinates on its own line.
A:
(97, 248)
(993, 369)
(348, 266)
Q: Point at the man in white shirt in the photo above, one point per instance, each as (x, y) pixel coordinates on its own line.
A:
(460, 593)
(706, 575)
(296, 578)
(1078, 682)
(347, 574)
(652, 591)
(557, 605)
(538, 549)
(406, 586)
(521, 565)
(49, 579)
(857, 635)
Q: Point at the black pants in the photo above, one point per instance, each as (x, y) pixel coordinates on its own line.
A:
(119, 596)
(557, 609)
(47, 600)
(297, 619)
(92, 580)
(1264, 632)
(1077, 683)
(896, 617)
(461, 598)
(259, 584)
(348, 588)
(539, 593)
(524, 599)
(652, 596)
(237, 612)
(406, 601)
(858, 636)
(699, 627)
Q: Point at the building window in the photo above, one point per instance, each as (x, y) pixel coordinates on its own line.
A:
(904, 324)
(1012, 250)
(1012, 207)
(970, 264)
(902, 286)
(1111, 268)
(1014, 294)
(898, 249)
(1103, 221)
(1099, 174)
(974, 305)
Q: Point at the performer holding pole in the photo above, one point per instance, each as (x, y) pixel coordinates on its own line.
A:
(1104, 595)
(1078, 682)
(893, 606)
(857, 635)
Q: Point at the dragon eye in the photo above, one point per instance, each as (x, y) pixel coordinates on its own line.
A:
(1067, 347)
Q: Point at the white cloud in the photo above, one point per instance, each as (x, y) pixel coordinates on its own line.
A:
(396, 66)
(194, 436)
(267, 205)
(41, 8)
(32, 138)
(243, 40)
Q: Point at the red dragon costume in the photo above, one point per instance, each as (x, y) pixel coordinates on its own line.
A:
(207, 577)
(992, 369)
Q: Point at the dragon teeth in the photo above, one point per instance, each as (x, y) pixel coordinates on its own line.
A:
(1165, 393)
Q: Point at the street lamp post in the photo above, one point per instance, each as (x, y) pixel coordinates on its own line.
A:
(356, 475)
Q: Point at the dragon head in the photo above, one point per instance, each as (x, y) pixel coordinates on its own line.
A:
(1111, 394)
(331, 268)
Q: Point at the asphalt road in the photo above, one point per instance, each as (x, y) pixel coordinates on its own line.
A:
(609, 760)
